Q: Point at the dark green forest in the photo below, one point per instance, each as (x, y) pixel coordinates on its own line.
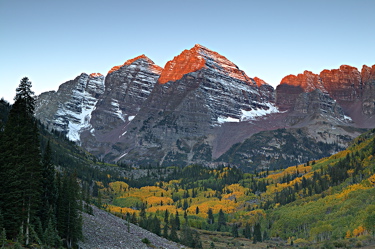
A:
(38, 204)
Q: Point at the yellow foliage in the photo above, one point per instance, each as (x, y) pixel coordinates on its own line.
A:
(290, 170)
(344, 194)
(157, 200)
(359, 231)
(116, 209)
(372, 180)
(300, 241)
(170, 208)
(226, 205)
(145, 192)
(254, 216)
(99, 184)
(118, 186)
(348, 234)
(350, 172)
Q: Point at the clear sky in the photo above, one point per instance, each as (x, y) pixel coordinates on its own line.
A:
(54, 41)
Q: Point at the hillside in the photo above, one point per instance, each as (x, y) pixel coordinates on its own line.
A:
(103, 230)
(329, 201)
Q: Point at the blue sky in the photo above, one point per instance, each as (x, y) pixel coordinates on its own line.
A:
(54, 41)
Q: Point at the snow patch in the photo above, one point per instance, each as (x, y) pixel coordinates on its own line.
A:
(255, 113)
(347, 118)
(122, 156)
(222, 120)
(130, 118)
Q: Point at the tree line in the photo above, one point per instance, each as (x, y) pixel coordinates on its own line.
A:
(37, 203)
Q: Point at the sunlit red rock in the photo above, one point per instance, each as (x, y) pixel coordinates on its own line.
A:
(129, 62)
(197, 58)
(343, 83)
(259, 82)
(94, 75)
(308, 81)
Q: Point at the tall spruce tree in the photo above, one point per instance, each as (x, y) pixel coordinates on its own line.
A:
(49, 190)
(69, 221)
(21, 165)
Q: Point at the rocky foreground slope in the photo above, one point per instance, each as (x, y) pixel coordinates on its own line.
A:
(103, 230)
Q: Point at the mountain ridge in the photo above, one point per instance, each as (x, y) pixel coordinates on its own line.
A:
(200, 104)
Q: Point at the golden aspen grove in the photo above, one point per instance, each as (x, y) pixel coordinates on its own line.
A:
(328, 202)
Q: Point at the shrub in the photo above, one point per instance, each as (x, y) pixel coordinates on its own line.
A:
(146, 241)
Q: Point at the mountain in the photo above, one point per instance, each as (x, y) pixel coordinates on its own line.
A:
(201, 108)
(198, 92)
(69, 109)
(353, 90)
(126, 89)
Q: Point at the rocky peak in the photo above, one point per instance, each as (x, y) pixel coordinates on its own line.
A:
(368, 74)
(127, 87)
(197, 58)
(343, 83)
(308, 81)
(69, 109)
(95, 75)
(153, 67)
(259, 81)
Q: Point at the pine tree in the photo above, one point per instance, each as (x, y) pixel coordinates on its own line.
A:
(177, 221)
(173, 235)
(221, 220)
(165, 231)
(257, 233)
(235, 230)
(20, 168)
(68, 219)
(247, 231)
(210, 219)
(166, 217)
(49, 191)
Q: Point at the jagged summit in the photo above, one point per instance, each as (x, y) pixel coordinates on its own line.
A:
(94, 75)
(155, 68)
(197, 58)
(330, 80)
(308, 81)
(260, 82)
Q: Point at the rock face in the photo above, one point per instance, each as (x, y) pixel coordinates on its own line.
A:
(201, 104)
(126, 88)
(197, 92)
(352, 90)
(69, 109)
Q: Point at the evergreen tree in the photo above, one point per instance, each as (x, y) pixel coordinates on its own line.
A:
(177, 221)
(247, 231)
(49, 191)
(210, 219)
(69, 222)
(221, 220)
(257, 233)
(235, 230)
(190, 237)
(155, 225)
(166, 217)
(20, 165)
(173, 235)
